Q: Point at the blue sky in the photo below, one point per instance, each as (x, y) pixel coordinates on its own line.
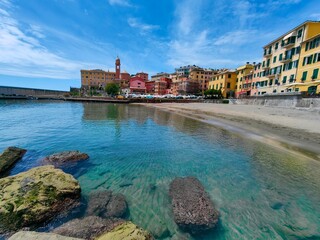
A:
(45, 43)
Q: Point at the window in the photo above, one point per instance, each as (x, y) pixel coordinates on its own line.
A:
(270, 82)
(299, 33)
(315, 73)
(316, 57)
(228, 85)
(229, 75)
(274, 59)
(304, 76)
(291, 78)
(276, 46)
(280, 57)
(284, 80)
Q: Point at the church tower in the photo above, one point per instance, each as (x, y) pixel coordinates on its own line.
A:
(118, 68)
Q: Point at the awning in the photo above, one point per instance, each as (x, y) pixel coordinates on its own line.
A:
(289, 35)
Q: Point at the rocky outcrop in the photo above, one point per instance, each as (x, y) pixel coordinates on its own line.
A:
(9, 157)
(192, 208)
(64, 157)
(88, 227)
(26, 235)
(107, 204)
(35, 196)
(126, 231)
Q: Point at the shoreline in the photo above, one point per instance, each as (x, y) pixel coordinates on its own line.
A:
(295, 131)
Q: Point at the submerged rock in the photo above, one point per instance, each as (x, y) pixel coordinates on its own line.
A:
(107, 204)
(26, 235)
(67, 156)
(35, 196)
(192, 208)
(126, 231)
(88, 227)
(9, 157)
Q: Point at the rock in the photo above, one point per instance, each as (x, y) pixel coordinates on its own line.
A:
(88, 227)
(126, 231)
(36, 196)
(68, 156)
(106, 204)
(26, 235)
(9, 157)
(192, 208)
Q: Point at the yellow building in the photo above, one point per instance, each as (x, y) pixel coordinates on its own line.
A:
(281, 59)
(242, 81)
(202, 76)
(308, 76)
(224, 81)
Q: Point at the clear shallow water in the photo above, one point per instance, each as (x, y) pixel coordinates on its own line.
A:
(261, 193)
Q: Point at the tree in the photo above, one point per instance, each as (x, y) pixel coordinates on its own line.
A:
(112, 89)
(213, 94)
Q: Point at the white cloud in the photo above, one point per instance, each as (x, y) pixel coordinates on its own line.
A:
(143, 27)
(22, 54)
(237, 37)
(123, 3)
(187, 13)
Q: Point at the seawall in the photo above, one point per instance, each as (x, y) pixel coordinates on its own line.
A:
(286, 101)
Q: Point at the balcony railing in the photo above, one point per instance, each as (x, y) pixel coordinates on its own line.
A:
(286, 59)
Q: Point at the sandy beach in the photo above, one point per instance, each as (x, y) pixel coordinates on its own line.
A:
(293, 130)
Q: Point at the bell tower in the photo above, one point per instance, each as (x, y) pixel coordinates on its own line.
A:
(118, 68)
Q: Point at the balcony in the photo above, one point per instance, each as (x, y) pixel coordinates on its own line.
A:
(286, 59)
(266, 67)
(267, 53)
(287, 43)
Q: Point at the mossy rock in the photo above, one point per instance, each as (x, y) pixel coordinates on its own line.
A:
(9, 157)
(126, 231)
(26, 235)
(35, 196)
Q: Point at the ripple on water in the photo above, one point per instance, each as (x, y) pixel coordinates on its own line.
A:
(261, 193)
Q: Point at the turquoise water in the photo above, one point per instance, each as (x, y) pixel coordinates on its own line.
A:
(261, 193)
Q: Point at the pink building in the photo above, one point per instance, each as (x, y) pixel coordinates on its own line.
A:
(143, 75)
(137, 85)
(257, 71)
(150, 86)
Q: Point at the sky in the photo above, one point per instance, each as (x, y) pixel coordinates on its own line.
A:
(45, 43)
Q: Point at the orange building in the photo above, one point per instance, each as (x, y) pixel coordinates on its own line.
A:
(99, 78)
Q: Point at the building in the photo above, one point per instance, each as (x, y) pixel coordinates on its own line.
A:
(159, 75)
(257, 71)
(225, 81)
(143, 75)
(281, 59)
(163, 86)
(184, 71)
(150, 87)
(308, 77)
(244, 80)
(137, 85)
(99, 78)
(202, 76)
